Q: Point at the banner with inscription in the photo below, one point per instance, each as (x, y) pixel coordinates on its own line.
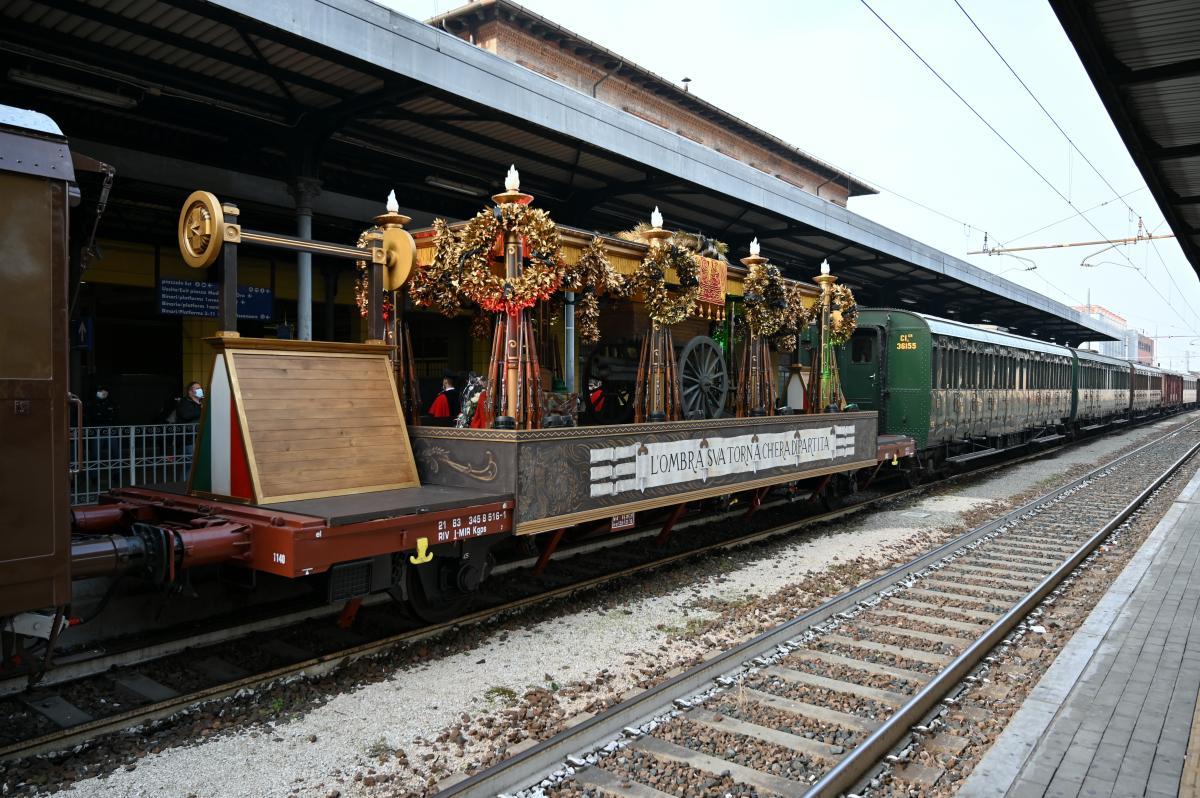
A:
(713, 274)
(641, 466)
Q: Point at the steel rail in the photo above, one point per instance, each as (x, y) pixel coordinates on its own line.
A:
(327, 663)
(78, 666)
(532, 764)
(863, 759)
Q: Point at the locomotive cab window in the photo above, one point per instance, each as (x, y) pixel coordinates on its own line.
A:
(862, 347)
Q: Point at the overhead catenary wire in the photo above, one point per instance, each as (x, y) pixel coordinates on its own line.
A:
(1014, 150)
(1097, 206)
(1045, 111)
(1071, 142)
(1080, 152)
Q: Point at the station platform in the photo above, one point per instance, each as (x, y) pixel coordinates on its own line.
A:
(1116, 713)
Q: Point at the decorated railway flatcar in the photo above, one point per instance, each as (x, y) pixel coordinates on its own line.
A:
(313, 465)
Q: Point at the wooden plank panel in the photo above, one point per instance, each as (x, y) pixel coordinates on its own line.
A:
(326, 459)
(314, 433)
(322, 424)
(347, 386)
(383, 426)
(299, 410)
(372, 406)
(300, 370)
(319, 444)
(334, 395)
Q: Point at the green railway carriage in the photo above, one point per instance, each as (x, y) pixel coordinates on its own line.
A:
(958, 390)
(1101, 386)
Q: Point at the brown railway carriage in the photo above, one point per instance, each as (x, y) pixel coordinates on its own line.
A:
(1172, 389)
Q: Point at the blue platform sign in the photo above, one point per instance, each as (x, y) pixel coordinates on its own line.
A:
(197, 298)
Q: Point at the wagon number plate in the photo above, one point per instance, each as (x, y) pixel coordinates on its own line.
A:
(623, 521)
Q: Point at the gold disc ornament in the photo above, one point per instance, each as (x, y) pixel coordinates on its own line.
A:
(201, 229)
(400, 251)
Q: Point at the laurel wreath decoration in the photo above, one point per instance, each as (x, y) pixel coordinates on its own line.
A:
(843, 314)
(537, 282)
(436, 285)
(766, 300)
(362, 284)
(796, 319)
(663, 307)
(590, 275)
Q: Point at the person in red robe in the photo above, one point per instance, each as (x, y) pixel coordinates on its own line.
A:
(444, 405)
(479, 420)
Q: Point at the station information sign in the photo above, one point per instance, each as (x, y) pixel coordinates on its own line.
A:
(198, 298)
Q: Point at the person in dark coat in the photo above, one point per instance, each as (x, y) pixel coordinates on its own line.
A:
(101, 410)
(187, 409)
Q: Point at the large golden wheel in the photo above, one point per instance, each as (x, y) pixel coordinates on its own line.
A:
(201, 229)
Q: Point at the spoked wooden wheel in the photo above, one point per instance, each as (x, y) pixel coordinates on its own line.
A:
(704, 380)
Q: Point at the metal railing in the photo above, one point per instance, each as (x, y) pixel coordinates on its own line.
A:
(122, 456)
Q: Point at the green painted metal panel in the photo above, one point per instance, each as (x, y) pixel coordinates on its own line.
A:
(887, 367)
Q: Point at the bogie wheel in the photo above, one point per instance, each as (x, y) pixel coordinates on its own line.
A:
(704, 380)
(430, 595)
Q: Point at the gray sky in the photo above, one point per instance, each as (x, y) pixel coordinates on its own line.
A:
(828, 77)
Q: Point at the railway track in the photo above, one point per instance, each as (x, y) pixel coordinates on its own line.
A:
(91, 699)
(825, 702)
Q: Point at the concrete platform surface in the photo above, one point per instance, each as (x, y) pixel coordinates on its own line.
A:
(1113, 715)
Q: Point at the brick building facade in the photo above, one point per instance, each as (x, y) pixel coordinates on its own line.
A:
(518, 35)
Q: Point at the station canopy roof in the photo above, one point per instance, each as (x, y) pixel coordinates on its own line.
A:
(1144, 58)
(241, 97)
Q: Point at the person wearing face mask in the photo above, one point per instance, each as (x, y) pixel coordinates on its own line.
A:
(101, 410)
(187, 410)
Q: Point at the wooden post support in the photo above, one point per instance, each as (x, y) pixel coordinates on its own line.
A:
(551, 546)
(756, 499)
(349, 613)
(669, 525)
(229, 278)
(375, 329)
(512, 331)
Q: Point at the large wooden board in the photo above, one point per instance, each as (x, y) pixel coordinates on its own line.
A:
(319, 423)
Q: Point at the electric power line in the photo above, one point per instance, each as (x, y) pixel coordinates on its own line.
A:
(1014, 150)
(1008, 241)
(1049, 116)
(1074, 146)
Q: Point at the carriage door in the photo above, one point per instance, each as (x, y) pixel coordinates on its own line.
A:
(863, 371)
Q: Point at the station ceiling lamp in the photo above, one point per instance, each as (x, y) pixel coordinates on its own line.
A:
(71, 89)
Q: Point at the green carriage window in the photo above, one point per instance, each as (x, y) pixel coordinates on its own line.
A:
(861, 348)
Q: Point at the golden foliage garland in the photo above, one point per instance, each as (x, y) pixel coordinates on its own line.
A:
(538, 281)
(362, 282)
(796, 319)
(766, 300)
(436, 285)
(591, 274)
(664, 308)
(843, 314)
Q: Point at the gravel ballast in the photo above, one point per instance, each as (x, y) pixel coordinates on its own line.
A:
(460, 711)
